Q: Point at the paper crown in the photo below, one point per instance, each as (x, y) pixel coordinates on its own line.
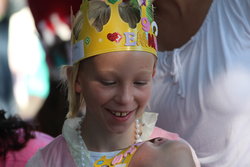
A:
(116, 35)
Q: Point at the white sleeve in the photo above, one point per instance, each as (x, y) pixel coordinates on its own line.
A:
(36, 161)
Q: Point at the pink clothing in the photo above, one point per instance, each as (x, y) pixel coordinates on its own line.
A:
(158, 132)
(57, 153)
(20, 158)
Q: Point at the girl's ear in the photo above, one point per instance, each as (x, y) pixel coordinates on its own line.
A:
(78, 87)
(154, 69)
(76, 83)
(69, 72)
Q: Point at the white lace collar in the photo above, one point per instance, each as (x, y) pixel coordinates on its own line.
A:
(77, 147)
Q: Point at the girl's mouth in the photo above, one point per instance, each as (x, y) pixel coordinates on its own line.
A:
(120, 114)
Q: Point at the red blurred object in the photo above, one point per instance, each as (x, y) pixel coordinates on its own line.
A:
(43, 9)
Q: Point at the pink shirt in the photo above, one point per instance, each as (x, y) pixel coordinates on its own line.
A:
(20, 158)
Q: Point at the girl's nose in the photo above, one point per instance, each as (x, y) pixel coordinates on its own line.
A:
(124, 95)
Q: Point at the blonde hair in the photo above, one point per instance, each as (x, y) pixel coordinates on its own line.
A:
(99, 14)
(76, 101)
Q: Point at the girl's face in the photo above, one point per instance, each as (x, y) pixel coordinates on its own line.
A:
(160, 152)
(116, 88)
(152, 153)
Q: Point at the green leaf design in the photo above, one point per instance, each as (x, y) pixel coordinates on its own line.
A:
(113, 1)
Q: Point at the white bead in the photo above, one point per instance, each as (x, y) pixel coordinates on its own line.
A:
(137, 125)
(137, 131)
(137, 136)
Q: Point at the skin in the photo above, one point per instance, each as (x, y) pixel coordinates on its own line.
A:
(179, 20)
(161, 152)
(111, 83)
(3, 8)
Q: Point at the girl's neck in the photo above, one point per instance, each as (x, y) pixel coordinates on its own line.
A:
(104, 141)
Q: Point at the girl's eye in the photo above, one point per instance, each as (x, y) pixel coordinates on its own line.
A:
(140, 83)
(108, 83)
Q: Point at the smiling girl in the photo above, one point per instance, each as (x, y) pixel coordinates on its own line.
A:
(109, 85)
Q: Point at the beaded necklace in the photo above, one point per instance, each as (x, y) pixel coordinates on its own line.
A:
(85, 156)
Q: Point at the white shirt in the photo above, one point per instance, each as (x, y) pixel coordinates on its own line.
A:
(94, 156)
(202, 90)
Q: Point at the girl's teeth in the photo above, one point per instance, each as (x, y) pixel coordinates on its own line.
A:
(120, 114)
(124, 114)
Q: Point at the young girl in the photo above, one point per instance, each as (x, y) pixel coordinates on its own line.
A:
(109, 84)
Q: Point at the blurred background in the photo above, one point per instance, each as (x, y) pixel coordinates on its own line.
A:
(34, 43)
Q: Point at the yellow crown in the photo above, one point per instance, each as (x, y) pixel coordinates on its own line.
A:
(116, 35)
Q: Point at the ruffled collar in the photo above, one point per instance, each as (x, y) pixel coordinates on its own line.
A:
(77, 147)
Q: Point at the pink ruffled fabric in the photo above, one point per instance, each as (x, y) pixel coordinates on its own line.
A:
(158, 132)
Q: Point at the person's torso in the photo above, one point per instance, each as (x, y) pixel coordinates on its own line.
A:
(201, 90)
